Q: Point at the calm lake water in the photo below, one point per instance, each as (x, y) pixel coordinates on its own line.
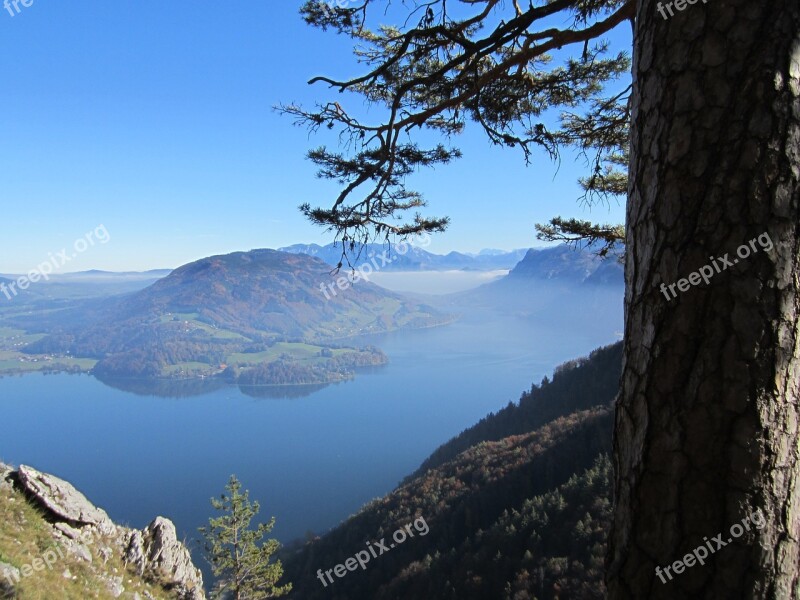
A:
(311, 457)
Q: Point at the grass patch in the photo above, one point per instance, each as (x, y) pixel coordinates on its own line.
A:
(25, 535)
(297, 351)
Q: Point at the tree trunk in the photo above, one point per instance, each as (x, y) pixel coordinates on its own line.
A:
(707, 417)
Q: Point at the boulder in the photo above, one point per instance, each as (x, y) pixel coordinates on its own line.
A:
(63, 500)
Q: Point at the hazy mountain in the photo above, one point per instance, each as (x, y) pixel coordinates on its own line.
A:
(281, 294)
(13, 292)
(555, 283)
(97, 275)
(5, 282)
(415, 259)
(565, 263)
(266, 312)
(85, 284)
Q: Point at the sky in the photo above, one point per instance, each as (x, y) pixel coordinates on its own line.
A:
(154, 121)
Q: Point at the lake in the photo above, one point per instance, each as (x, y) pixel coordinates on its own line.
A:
(310, 456)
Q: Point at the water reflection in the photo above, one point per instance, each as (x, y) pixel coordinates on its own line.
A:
(186, 388)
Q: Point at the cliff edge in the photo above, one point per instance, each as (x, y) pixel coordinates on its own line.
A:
(55, 543)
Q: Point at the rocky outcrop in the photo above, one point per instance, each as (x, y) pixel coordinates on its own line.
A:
(154, 552)
(63, 500)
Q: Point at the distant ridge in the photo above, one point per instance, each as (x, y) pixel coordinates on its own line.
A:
(566, 263)
(97, 274)
(415, 259)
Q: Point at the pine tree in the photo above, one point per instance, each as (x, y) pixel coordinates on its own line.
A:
(238, 558)
(704, 144)
(489, 62)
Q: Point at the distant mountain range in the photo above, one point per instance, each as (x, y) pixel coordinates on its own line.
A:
(268, 316)
(563, 263)
(415, 259)
(557, 263)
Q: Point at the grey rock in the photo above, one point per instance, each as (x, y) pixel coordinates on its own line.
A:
(68, 531)
(5, 476)
(115, 586)
(63, 500)
(105, 553)
(157, 551)
(78, 550)
(135, 554)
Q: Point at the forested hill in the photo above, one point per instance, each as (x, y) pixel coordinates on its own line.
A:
(576, 385)
(520, 517)
(258, 317)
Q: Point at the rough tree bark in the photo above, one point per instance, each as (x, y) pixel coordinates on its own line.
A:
(707, 417)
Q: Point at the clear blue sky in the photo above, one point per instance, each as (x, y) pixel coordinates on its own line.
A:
(155, 119)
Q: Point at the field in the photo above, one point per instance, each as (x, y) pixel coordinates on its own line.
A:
(12, 360)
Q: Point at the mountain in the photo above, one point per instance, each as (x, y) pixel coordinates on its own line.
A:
(272, 293)
(54, 543)
(415, 259)
(561, 285)
(254, 317)
(508, 513)
(566, 264)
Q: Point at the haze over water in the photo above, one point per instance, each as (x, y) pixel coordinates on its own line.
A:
(313, 459)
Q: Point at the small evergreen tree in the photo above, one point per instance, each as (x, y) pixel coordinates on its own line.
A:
(238, 558)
